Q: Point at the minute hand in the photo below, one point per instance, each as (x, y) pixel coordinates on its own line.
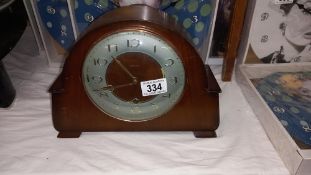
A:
(126, 70)
(112, 88)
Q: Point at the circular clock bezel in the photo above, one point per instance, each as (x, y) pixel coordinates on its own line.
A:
(134, 27)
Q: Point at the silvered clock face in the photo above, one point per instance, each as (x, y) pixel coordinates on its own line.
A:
(133, 76)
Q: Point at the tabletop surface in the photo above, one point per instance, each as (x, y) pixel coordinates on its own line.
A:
(28, 143)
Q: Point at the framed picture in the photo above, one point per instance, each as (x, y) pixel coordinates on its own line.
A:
(273, 71)
(196, 16)
(221, 29)
(61, 22)
(280, 33)
(239, 8)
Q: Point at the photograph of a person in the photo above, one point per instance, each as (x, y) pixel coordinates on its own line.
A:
(282, 33)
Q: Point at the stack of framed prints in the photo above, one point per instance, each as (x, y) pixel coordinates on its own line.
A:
(274, 73)
(53, 27)
(221, 29)
(59, 23)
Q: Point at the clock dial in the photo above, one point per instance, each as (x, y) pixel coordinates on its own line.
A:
(115, 67)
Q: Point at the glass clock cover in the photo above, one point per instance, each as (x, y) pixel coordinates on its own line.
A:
(118, 68)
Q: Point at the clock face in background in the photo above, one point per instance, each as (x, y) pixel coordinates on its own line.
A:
(281, 36)
(133, 76)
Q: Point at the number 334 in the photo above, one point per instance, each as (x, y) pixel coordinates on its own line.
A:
(154, 87)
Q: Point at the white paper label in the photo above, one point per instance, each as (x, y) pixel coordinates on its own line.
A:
(153, 87)
(283, 1)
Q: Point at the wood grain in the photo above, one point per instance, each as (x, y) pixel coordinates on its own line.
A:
(198, 110)
(237, 21)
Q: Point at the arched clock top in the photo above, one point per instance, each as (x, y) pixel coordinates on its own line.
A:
(134, 70)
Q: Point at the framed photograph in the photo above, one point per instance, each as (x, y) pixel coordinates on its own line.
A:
(280, 33)
(274, 75)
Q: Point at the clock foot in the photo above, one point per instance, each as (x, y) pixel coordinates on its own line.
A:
(69, 134)
(204, 134)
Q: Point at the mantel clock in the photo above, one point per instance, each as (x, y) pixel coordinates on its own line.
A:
(134, 70)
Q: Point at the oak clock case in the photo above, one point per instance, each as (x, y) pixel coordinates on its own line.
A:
(133, 70)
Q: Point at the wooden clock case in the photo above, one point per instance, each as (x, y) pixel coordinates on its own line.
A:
(197, 110)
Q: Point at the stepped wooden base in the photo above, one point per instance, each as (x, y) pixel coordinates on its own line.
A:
(68, 134)
(197, 134)
(204, 134)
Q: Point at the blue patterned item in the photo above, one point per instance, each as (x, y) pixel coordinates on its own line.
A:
(289, 97)
(55, 16)
(194, 15)
(86, 11)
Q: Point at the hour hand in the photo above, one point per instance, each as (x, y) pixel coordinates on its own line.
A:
(105, 88)
(125, 70)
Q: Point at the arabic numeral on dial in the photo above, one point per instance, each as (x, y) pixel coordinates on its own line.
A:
(154, 87)
(99, 62)
(133, 43)
(103, 94)
(167, 95)
(87, 78)
(173, 80)
(136, 110)
(169, 62)
(97, 79)
(112, 47)
(154, 106)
